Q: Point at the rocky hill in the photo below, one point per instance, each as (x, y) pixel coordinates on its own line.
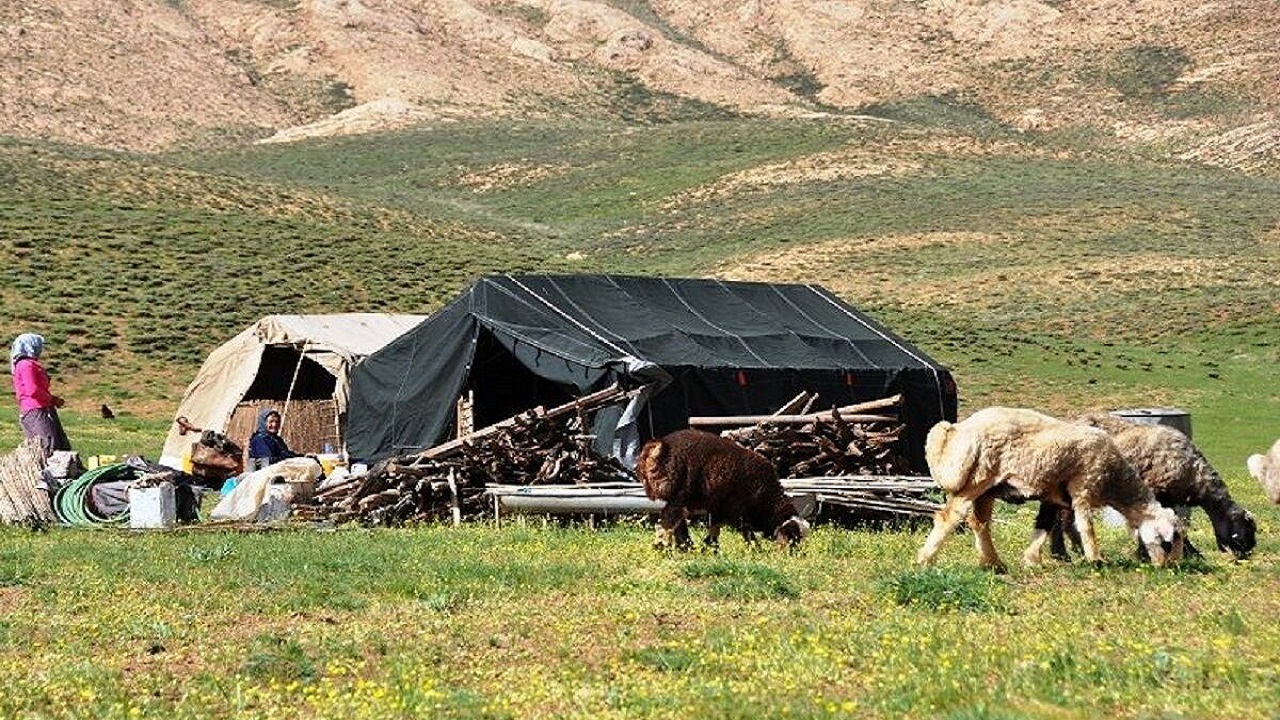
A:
(1198, 79)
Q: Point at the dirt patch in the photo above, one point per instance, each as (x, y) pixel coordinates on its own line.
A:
(376, 116)
(1255, 146)
(12, 598)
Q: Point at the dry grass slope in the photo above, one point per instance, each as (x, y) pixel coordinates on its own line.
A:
(1200, 81)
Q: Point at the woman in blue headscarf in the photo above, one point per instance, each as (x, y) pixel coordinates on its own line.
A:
(37, 406)
(266, 447)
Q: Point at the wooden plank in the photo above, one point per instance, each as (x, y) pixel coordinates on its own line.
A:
(796, 404)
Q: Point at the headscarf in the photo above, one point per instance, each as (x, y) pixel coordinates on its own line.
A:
(263, 414)
(263, 444)
(26, 345)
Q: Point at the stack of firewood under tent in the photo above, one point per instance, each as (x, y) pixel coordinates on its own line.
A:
(846, 460)
(448, 482)
(842, 463)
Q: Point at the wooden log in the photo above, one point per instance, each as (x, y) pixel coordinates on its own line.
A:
(612, 394)
(338, 490)
(797, 404)
(377, 500)
(20, 499)
(824, 417)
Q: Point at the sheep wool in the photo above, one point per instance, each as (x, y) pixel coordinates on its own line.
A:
(1266, 470)
(1179, 474)
(1018, 455)
(697, 472)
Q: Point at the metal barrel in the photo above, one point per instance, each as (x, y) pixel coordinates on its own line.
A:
(1173, 417)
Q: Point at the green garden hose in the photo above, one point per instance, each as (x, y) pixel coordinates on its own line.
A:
(71, 502)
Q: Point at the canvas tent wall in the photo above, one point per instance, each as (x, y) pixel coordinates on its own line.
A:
(298, 363)
(706, 347)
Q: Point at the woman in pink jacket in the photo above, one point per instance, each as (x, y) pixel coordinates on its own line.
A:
(37, 407)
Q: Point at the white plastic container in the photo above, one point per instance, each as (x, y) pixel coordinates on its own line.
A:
(153, 508)
(275, 506)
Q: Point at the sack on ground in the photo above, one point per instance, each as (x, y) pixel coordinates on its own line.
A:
(215, 457)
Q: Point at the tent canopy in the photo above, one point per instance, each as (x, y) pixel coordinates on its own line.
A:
(281, 357)
(707, 347)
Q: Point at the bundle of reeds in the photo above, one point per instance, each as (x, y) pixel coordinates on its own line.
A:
(22, 500)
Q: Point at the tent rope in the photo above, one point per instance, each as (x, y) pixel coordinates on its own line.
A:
(791, 303)
(693, 311)
(566, 316)
(302, 355)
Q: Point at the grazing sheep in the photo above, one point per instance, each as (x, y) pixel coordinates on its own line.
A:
(1179, 475)
(699, 472)
(1019, 455)
(1266, 469)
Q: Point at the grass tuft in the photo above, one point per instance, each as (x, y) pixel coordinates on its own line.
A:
(730, 580)
(665, 658)
(271, 657)
(967, 589)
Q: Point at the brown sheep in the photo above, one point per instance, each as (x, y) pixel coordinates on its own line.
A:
(1019, 455)
(698, 472)
(1266, 470)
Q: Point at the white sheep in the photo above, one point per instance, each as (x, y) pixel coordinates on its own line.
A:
(1019, 455)
(1266, 470)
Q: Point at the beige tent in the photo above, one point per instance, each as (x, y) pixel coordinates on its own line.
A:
(299, 364)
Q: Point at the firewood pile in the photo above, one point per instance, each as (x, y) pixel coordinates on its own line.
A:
(828, 445)
(847, 459)
(844, 462)
(447, 482)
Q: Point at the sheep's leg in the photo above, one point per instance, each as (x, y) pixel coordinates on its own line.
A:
(1084, 526)
(1034, 553)
(1051, 525)
(945, 522)
(673, 529)
(980, 523)
(1054, 521)
(684, 541)
(712, 540)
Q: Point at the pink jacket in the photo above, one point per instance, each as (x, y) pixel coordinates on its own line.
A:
(31, 385)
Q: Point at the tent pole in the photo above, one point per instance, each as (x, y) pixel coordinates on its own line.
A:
(453, 502)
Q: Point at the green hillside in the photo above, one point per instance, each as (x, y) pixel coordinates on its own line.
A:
(1051, 272)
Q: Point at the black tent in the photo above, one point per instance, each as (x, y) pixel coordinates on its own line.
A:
(704, 347)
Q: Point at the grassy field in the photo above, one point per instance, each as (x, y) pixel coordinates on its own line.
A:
(1056, 272)
(529, 620)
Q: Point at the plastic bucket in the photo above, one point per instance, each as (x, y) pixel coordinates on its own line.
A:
(1173, 417)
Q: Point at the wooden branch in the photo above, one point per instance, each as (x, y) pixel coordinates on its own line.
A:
(848, 413)
(823, 417)
(610, 394)
(796, 404)
(891, 401)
